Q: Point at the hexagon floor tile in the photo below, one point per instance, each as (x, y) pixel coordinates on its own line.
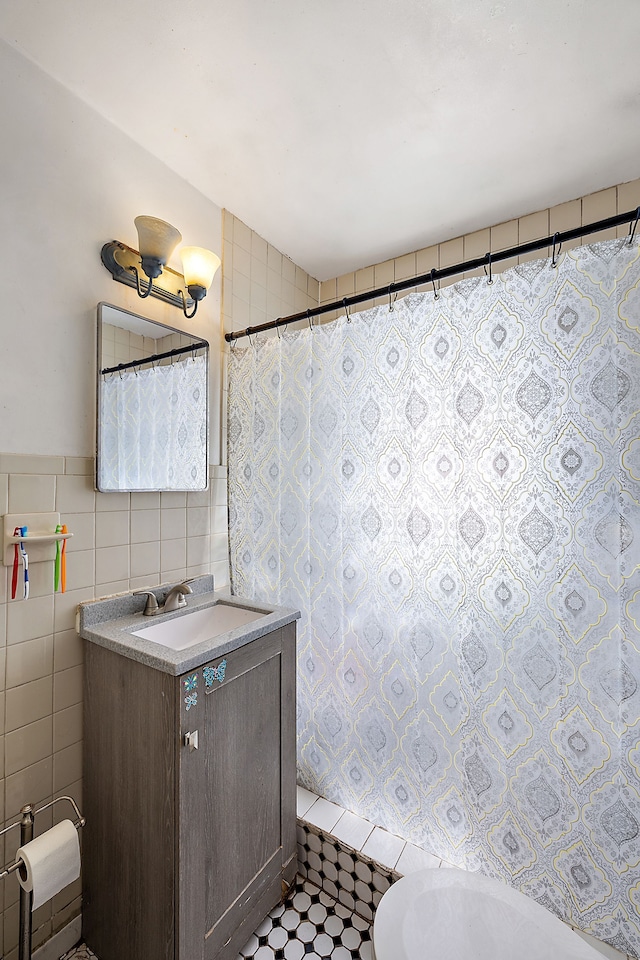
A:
(309, 925)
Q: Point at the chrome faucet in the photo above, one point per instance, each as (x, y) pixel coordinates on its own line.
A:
(174, 599)
(177, 597)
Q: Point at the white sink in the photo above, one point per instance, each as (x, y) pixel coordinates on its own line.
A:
(198, 626)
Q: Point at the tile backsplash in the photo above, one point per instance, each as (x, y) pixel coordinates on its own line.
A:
(120, 542)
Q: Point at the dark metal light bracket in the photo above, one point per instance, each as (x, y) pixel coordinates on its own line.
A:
(118, 258)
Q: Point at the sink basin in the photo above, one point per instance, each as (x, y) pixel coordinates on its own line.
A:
(198, 626)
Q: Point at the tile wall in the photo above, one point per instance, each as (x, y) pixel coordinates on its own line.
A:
(502, 236)
(120, 542)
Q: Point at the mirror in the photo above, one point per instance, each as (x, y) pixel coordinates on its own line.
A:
(152, 409)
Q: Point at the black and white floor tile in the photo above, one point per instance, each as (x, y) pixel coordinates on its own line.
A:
(309, 925)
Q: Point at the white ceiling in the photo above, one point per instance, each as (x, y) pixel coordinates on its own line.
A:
(346, 132)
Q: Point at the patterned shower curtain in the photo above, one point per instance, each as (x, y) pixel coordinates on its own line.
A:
(449, 492)
(153, 425)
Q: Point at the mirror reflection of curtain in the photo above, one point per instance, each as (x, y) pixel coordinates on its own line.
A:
(154, 428)
(450, 493)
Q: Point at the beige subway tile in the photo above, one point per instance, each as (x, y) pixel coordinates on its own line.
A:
(198, 498)
(31, 493)
(565, 216)
(66, 905)
(24, 464)
(29, 661)
(67, 766)
(535, 226)
(240, 313)
(112, 588)
(40, 578)
(29, 619)
(301, 279)
(112, 501)
(82, 526)
(259, 274)
(145, 559)
(173, 523)
(241, 234)
(219, 519)
(628, 199)
(65, 605)
(80, 466)
(112, 528)
(28, 745)
(364, 280)
(67, 688)
(259, 248)
(68, 650)
(328, 292)
(313, 290)
(28, 703)
(75, 494)
(274, 282)
(405, 267)
(173, 556)
(219, 492)
(4, 493)
(32, 785)
(258, 296)
(384, 273)
(220, 573)
(67, 727)
(173, 499)
(504, 236)
(219, 547)
(145, 501)
(112, 563)
(427, 259)
(241, 265)
(274, 259)
(198, 522)
(218, 471)
(476, 245)
(198, 551)
(600, 206)
(145, 525)
(198, 570)
(81, 569)
(451, 252)
(288, 295)
(61, 810)
(289, 270)
(227, 255)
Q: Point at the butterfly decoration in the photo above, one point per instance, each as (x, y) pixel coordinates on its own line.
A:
(190, 683)
(214, 673)
(191, 700)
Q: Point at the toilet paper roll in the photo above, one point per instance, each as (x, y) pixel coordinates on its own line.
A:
(50, 862)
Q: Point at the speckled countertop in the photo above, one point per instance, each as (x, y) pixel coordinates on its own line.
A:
(110, 623)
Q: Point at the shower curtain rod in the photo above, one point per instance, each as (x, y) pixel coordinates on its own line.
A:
(554, 241)
(156, 356)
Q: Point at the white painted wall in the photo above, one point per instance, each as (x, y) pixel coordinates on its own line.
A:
(69, 181)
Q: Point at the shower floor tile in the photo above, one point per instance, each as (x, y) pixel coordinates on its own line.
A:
(309, 924)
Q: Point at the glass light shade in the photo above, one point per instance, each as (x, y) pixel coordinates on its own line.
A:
(156, 238)
(199, 266)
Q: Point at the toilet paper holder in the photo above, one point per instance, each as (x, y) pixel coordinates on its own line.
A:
(27, 814)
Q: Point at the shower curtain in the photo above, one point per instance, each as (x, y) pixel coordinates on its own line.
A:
(449, 492)
(145, 444)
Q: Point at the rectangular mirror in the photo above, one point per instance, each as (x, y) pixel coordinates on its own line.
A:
(152, 410)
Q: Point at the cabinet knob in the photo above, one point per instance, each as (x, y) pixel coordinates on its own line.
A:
(191, 740)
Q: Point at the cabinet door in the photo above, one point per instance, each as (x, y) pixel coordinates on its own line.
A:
(230, 812)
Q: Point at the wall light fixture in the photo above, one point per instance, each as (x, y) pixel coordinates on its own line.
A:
(157, 240)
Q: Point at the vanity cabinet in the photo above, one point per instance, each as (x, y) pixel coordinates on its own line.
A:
(189, 797)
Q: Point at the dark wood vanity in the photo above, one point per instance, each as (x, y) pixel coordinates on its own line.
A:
(189, 796)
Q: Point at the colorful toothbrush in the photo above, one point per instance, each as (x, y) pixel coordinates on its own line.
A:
(63, 562)
(25, 564)
(56, 568)
(16, 558)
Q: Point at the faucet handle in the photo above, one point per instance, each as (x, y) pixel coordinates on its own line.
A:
(151, 606)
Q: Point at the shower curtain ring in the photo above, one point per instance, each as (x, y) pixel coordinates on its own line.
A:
(555, 253)
(309, 319)
(278, 331)
(632, 232)
(346, 310)
(248, 334)
(392, 302)
(489, 275)
(433, 281)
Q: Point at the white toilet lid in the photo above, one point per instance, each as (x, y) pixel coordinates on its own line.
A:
(446, 914)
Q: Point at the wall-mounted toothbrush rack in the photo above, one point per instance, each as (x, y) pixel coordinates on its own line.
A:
(41, 535)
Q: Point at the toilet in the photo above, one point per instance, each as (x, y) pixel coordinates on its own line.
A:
(441, 914)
